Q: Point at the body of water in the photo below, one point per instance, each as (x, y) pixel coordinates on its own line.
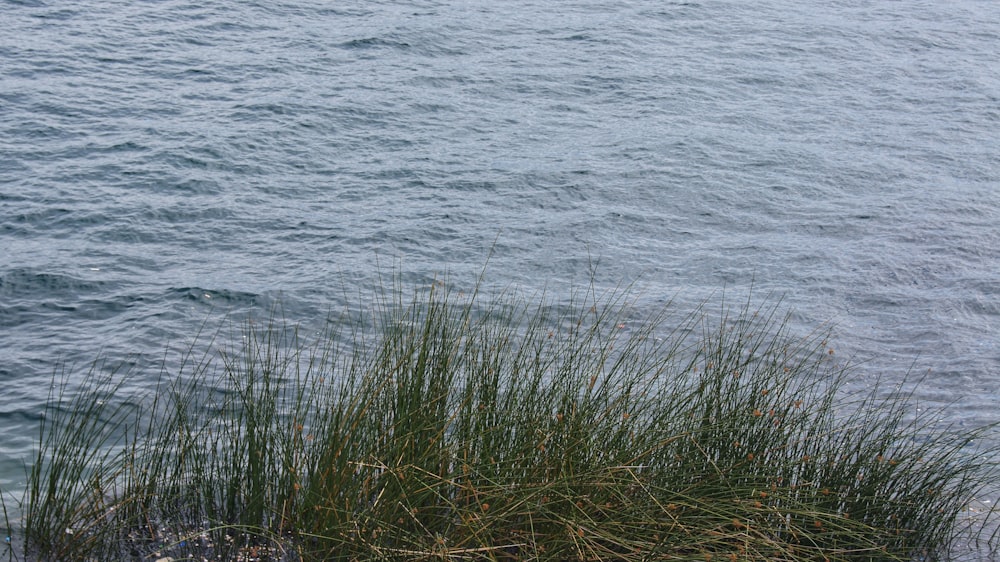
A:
(161, 160)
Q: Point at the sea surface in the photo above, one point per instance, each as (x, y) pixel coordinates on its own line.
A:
(166, 162)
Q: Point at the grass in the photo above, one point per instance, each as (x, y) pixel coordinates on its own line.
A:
(446, 428)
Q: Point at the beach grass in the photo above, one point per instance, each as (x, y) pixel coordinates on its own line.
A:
(448, 426)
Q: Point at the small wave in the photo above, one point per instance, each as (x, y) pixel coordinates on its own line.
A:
(217, 296)
(373, 43)
(20, 283)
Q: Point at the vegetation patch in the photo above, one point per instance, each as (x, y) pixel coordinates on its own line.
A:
(455, 427)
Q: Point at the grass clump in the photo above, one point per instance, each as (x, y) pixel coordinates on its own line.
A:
(442, 428)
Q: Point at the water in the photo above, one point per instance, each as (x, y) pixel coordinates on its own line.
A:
(163, 162)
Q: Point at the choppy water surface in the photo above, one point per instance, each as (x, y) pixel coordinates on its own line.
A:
(161, 160)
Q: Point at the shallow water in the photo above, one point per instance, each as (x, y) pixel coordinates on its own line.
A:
(162, 163)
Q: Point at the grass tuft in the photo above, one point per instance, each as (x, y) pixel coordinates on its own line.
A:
(446, 428)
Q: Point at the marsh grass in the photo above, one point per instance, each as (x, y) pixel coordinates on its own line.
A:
(446, 428)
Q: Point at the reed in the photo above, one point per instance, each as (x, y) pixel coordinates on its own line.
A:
(443, 427)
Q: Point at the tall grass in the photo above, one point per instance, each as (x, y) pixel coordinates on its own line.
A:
(443, 428)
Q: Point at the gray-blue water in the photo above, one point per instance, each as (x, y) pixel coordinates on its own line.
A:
(163, 159)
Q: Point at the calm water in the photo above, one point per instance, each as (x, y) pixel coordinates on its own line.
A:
(161, 160)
